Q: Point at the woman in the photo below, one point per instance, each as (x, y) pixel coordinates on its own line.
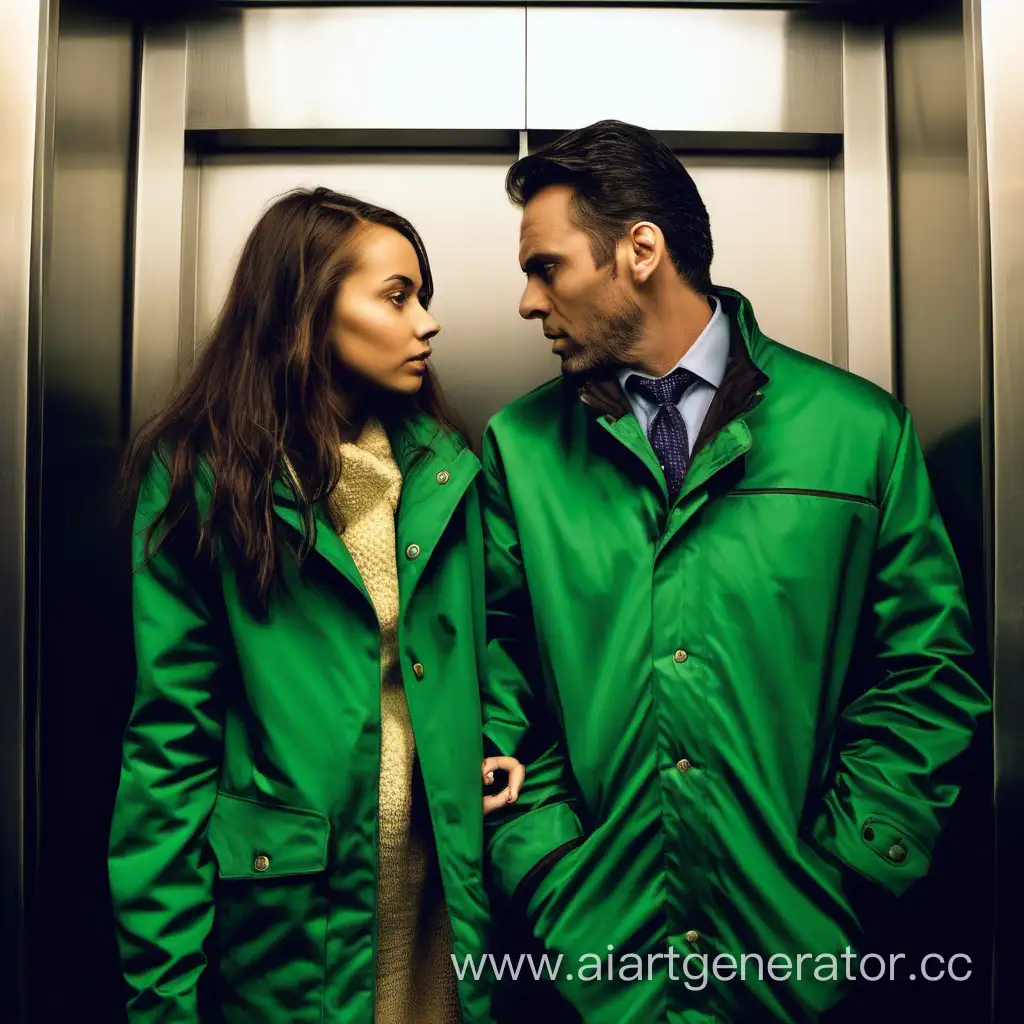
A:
(297, 832)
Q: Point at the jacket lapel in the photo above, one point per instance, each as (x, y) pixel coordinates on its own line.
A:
(328, 544)
(743, 379)
(437, 470)
(627, 431)
(730, 443)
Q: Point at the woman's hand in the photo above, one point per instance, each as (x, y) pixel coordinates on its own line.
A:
(516, 777)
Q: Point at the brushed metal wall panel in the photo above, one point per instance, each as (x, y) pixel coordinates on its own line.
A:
(770, 225)
(683, 69)
(837, 256)
(159, 221)
(940, 300)
(867, 209)
(358, 67)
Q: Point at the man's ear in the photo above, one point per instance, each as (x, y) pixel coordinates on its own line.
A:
(645, 250)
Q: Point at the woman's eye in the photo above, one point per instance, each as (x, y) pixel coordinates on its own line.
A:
(399, 299)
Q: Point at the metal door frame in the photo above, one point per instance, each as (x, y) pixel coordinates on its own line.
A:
(26, 61)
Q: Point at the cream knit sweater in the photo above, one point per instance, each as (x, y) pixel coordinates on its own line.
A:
(415, 978)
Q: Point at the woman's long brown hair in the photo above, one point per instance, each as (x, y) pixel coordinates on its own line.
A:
(267, 385)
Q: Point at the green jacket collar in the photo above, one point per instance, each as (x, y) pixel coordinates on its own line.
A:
(410, 437)
(603, 391)
(415, 441)
(437, 469)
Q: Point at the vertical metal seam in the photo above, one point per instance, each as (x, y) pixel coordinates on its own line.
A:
(892, 147)
(131, 214)
(526, 74)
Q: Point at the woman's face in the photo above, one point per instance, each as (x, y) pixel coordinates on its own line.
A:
(379, 329)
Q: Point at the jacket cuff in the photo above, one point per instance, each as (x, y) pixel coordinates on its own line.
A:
(524, 842)
(875, 845)
(531, 881)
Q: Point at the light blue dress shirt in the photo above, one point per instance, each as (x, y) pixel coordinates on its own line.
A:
(706, 358)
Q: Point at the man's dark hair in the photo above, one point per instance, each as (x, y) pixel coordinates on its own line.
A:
(621, 174)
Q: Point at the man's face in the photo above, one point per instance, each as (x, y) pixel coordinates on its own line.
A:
(590, 313)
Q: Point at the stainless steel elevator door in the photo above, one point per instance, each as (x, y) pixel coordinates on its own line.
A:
(770, 225)
(770, 218)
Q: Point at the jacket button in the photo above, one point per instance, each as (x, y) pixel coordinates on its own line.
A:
(683, 765)
(680, 656)
(444, 476)
(691, 936)
(897, 853)
(417, 670)
(261, 863)
(412, 551)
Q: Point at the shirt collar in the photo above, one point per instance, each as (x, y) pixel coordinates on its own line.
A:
(706, 357)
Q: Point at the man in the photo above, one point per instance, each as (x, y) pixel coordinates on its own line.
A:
(727, 632)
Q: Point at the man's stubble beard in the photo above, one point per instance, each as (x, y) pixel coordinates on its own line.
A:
(606, 342)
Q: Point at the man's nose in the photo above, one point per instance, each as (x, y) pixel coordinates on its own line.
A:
(533, 304)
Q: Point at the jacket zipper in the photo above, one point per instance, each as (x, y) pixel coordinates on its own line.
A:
(839, 495)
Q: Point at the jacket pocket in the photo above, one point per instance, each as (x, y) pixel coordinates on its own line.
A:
(807, 492)
(255, 840)
(271, 907)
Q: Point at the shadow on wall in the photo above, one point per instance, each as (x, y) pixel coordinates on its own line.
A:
(878, 12)
(860, 11)
(87, 667)
(153, 11)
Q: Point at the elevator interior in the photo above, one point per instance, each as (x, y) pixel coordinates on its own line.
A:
(850, 188)
(238, 109)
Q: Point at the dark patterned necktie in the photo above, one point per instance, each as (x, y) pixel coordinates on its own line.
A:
(667, 431)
